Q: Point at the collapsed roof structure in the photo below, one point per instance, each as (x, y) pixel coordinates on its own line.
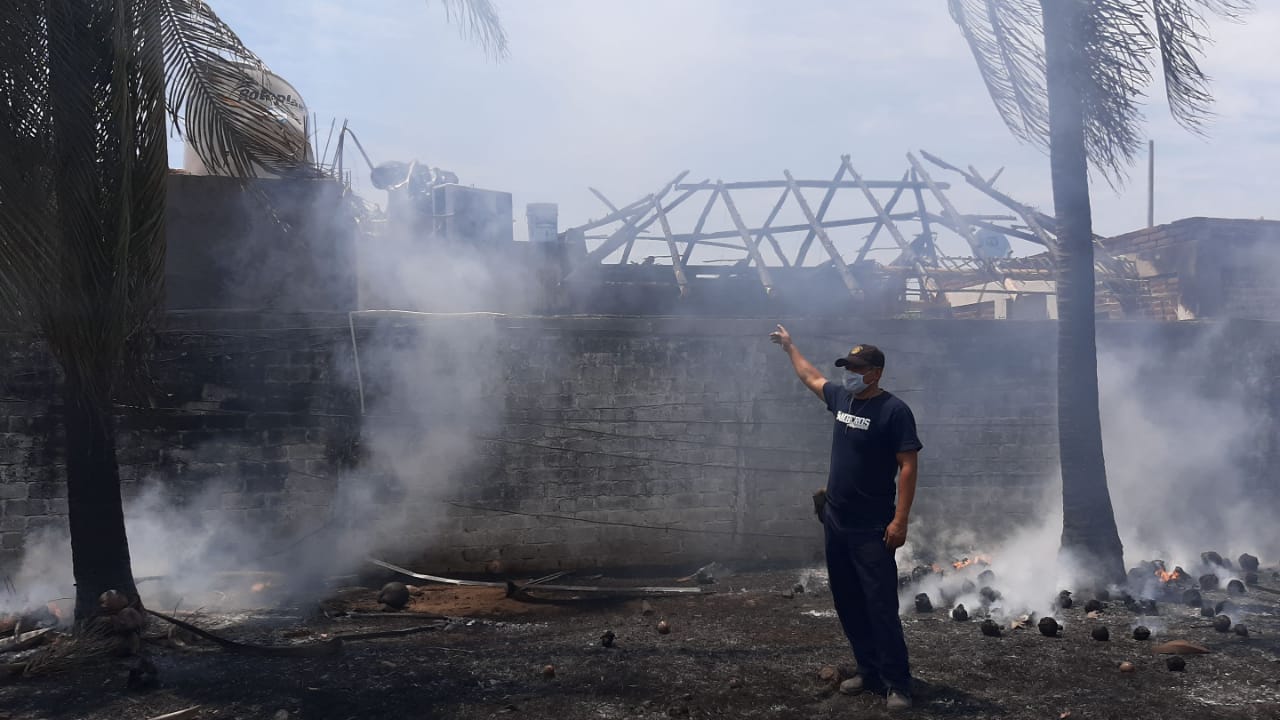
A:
(907, 217)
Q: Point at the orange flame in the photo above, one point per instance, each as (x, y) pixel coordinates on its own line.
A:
(936, 568)
(975, 560)
(53, 610)
(1167, 576)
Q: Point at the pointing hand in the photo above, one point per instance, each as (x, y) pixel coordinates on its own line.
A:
(781, 337)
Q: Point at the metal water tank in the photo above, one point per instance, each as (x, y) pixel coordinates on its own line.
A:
(268, 100)
(543, 222)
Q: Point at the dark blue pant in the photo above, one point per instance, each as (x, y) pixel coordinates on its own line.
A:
(864, 585)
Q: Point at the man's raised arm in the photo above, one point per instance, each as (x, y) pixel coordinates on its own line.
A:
(808, 374)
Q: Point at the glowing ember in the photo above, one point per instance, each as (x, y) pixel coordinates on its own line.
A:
(936, 568)
(975, 560)
(54, 611)
(1167, 576)
(259, 587)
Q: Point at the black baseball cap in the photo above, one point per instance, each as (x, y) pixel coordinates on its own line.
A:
(862, 357)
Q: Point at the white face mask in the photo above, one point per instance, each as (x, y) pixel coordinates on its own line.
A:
(854, 383)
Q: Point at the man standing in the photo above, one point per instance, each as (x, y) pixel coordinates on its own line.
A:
(874, 440)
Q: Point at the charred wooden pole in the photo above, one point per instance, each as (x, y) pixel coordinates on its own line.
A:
(822, 213)
(888, 208)
(676, 265)
(889, 225)
(752, 248)
(961, 224)
(821, 233)
(702, 221)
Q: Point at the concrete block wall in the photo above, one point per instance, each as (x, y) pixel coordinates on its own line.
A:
(244, 425)
(616, 441)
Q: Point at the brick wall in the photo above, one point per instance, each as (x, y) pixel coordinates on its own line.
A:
(1207, 268)
(693, 425)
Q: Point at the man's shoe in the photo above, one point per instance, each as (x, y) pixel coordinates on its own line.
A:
(853, 685)
(898, 701)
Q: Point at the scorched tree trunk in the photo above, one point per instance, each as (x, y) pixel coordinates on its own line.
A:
(99, 545)
(1089, 533)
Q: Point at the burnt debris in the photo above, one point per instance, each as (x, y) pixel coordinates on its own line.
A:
(1142, 632)
(923, 604)
(1101, 633)
(1049, 627)
(1212, 558)
(394, 595)
(1235, 587)
(1064, 600)
(1248, 563)
(1209, 582)
(990, 628)
(959, 614)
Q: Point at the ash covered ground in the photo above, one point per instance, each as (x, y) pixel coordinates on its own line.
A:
(753, 647)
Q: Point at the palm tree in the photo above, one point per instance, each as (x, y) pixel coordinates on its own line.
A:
(87, 88)
(1069, 75)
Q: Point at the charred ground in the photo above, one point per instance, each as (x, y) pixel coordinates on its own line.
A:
(747, 650)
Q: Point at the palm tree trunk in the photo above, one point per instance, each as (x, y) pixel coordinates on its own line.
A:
(99, 546)
(80, 59)
(1089, 534)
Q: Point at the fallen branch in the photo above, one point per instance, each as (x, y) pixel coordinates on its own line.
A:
(179, 715)
(23, 641)
(327, 648)
(515, 590)
(389, 633)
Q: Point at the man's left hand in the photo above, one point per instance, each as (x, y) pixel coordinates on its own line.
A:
(895, 536)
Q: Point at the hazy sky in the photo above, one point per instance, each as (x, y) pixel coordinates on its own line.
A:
(623, 94)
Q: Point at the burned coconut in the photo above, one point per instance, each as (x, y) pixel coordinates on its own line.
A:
(1049, 627)
(1175, 663)
(1242, 631)
(923, 604)
(1235, 587)
(960, 614)
(1222, 623)
(1213, 558)
(394, 595)
(1094, 605)
(1101, 634)
(990, 628)
(1191, 598)
(1064, 599)
(1209, 582)
(1141, 632)
(1248, 563)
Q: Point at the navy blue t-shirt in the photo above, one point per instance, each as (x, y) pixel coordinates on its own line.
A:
(868, 435)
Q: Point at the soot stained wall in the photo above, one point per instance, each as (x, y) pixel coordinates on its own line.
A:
(693, 425)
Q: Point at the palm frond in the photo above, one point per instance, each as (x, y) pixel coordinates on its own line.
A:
(1113, 44)
(82, 179)
(479, 21)
(1181, 30)
(216, 83)
(25, 177)
(1007, 42)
